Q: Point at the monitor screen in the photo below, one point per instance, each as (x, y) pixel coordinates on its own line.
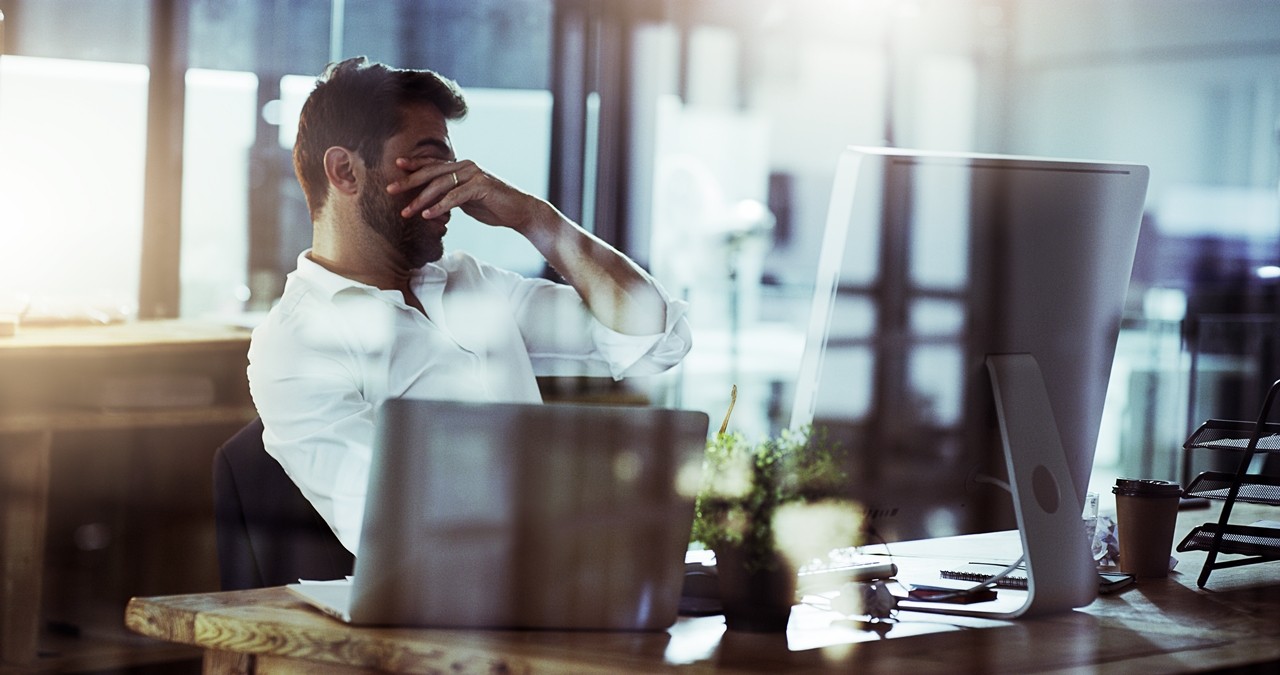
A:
(930, 263)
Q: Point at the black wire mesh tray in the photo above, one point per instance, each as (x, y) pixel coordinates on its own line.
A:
(1253, 489)
(1236, 539)
(1234, 435)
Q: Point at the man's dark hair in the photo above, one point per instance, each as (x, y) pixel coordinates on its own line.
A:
(358, 104)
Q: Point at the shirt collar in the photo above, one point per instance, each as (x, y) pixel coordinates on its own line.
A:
(331, 283)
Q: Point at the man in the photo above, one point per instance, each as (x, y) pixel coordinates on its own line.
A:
(377, 310)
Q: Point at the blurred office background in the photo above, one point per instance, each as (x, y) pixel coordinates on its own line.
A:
(145, 158)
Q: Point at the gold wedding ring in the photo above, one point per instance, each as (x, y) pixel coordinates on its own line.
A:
(455, 177)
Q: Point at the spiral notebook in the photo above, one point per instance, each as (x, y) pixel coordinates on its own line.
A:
(977, 572)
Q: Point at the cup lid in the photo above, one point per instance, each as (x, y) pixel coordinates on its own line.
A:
(1128, 487)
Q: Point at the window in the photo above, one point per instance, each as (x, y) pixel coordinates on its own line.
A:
(73, 143)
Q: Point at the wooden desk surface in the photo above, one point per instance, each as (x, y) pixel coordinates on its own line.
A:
(1156, 626)
(60, 377)
(146, 337)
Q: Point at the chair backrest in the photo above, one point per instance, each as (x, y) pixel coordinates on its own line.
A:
(268, 533)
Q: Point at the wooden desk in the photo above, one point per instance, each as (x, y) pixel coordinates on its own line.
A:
(1156, 626)
(109, 473)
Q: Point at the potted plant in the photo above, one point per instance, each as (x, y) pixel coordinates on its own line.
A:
(766, 508)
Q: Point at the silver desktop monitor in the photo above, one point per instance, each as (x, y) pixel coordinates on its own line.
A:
(932, 263)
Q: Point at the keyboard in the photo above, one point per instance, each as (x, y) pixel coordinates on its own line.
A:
(841, 567)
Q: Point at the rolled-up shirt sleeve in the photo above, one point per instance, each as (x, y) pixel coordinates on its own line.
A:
(640, 355)
(563, 337)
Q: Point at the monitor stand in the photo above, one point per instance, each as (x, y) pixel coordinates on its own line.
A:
(1061, 575)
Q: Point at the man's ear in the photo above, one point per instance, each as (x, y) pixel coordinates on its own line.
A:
(343, 168)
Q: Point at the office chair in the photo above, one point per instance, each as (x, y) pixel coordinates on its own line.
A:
(268, 534)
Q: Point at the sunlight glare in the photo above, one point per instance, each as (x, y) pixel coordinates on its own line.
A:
(72, 160)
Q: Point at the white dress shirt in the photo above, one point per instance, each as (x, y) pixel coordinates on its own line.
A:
(332, 349)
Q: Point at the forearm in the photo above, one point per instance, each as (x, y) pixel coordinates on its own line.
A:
(619, 294)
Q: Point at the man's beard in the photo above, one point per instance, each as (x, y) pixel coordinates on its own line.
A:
(411, 236)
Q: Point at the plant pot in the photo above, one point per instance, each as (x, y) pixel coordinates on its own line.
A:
(755, 600)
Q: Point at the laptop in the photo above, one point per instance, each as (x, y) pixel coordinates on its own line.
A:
(509, 515)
